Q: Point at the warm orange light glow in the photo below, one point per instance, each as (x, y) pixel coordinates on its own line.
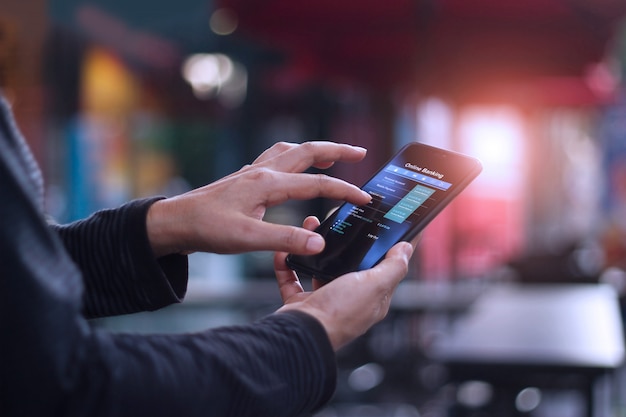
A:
(495, 136)
(485, 224)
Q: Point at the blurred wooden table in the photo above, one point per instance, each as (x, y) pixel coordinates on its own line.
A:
(534, 335)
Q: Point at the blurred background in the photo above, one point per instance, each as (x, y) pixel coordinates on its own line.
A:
(126, 99)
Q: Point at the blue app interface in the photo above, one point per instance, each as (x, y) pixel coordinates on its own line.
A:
(401, 194)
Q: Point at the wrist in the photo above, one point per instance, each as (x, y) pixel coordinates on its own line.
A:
(161, 229)
(336, 337)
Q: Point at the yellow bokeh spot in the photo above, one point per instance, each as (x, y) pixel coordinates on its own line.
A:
(108, 87)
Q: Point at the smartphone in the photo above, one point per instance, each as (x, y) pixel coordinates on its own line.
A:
(407, 193)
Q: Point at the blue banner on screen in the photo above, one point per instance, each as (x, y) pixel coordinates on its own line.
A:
(411, 202)
(414, 176)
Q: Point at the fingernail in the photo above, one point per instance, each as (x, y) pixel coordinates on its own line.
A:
(362, 149)
(315, 243)
(408, 249)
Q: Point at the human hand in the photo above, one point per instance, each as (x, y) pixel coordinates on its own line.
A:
(350, 304)
(226, 216)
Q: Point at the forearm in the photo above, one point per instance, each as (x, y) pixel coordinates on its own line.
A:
(282, 365)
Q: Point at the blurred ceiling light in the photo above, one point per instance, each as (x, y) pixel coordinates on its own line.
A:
(207, 72)
(223, 21)
(216, 75)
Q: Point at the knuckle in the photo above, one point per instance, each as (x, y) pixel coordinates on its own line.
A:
(322, 181)
(260, 174)
(291, 238)
(310, 150)
(283, 146)
(308, 146)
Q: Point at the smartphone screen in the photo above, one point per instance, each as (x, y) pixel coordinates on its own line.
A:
(407, 193)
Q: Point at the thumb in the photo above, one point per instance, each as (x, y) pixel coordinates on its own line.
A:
(395, 266)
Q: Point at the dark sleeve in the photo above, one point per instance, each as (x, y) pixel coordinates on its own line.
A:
(121, 274)
(282, 365)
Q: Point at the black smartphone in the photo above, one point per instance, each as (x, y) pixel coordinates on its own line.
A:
(407, 193)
